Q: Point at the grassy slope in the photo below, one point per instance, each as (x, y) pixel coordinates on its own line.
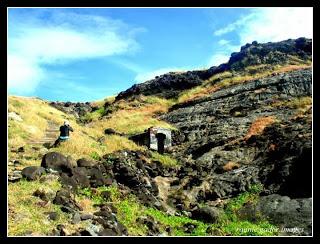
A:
(126, 117)
(24, 215)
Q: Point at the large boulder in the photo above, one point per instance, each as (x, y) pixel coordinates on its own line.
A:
(57, 161)
(207, 214)
(65, 198)
(292, 216)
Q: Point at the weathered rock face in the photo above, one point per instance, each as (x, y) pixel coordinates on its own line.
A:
(76, 109)
(213, 131)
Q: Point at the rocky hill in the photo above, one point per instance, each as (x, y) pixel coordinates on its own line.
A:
(240, 161)
(171, 84)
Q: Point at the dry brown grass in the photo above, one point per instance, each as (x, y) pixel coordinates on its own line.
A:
(295, 103)
(84, 140)
(86, 204)
(259, 125)
(35, 114)
(230, 166)
(100, 103)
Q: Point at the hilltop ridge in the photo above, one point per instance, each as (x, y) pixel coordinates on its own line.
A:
(273, 53)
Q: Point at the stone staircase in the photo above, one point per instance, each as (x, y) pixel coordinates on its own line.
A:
(51, 134)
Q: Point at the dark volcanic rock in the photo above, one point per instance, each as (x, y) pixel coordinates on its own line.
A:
(53, 215)
(82, 162)
(207, 214)
(56, 161)
(127, 170)
(32, 172)
(167, 85)
(65, 198)
(76, 109)
(152, 225)
(110, 131)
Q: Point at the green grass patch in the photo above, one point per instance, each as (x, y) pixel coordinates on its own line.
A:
(165, 159)
(25, 215)
(129, 210)
(232, 224)
(176, 223)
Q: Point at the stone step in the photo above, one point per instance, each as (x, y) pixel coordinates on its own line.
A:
(42, 141)
(39, 143)
(51, 135)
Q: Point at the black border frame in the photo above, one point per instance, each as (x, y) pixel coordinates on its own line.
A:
(5, 4)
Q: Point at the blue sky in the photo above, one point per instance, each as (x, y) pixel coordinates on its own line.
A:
(86, 54)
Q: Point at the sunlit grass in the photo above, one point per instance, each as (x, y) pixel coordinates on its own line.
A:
(165, 159)
(136, 116)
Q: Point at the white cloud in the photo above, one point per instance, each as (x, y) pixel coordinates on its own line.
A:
(223, 42)
(218, 59)
(264, 25)
(145, 76)
(277, 24)
(23, 75)
(223, 55)
(61, 38)
(233, 26)
(272, 24)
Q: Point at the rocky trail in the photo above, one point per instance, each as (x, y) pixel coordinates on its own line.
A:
(42, 145)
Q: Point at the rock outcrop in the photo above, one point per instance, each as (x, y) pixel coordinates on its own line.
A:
(267, 53)
(76, 109)
(168, 85)
(272, 53)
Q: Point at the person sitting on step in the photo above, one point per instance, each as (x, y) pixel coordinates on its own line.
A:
(64, 133)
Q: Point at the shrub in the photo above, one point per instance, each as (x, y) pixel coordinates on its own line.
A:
(95, 156)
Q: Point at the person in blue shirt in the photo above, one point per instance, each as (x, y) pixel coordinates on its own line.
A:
(64, 133)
